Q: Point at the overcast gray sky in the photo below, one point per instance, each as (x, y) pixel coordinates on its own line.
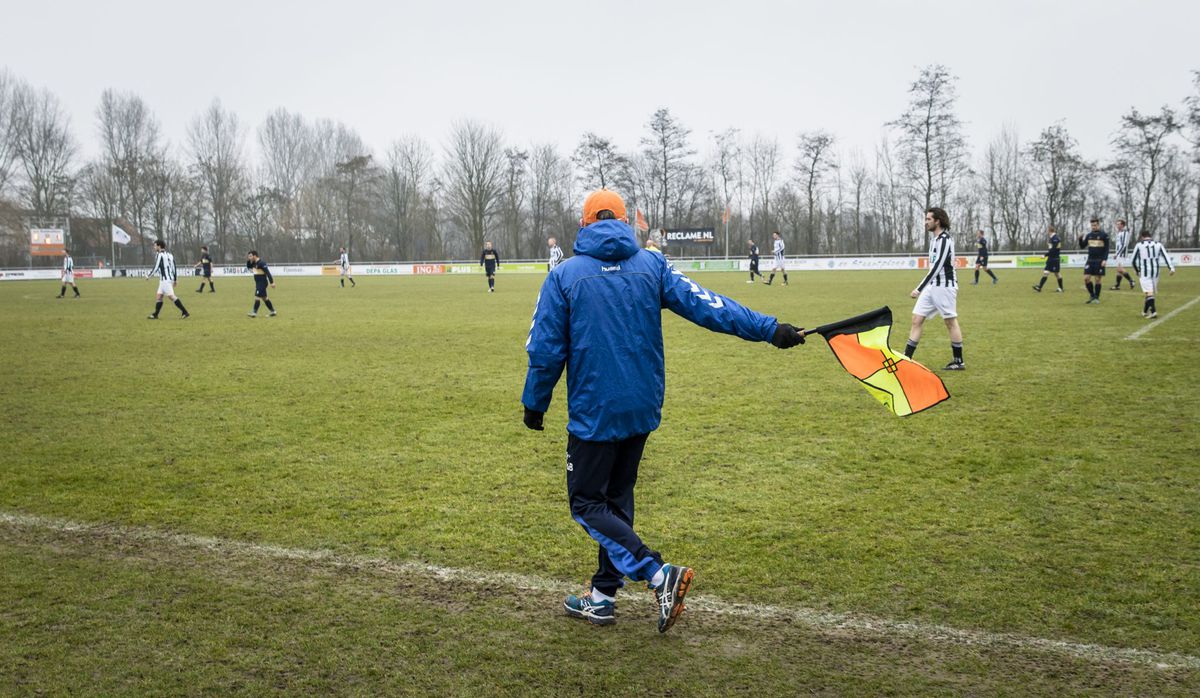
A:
(549, 71)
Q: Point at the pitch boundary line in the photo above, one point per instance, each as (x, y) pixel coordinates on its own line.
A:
(821, 621)
(1164, 318)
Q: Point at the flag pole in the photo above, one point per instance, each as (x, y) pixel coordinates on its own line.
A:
(113, 242)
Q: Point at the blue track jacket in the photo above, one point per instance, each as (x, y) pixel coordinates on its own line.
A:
(599, 314)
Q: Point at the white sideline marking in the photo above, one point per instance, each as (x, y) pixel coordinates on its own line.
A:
(824, 621)
(1164, 318)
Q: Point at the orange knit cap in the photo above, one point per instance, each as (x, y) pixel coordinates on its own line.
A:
(602, 200)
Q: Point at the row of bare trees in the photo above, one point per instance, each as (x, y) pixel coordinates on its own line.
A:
(301, 188)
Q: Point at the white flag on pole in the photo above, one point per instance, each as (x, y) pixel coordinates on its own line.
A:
(120, 236)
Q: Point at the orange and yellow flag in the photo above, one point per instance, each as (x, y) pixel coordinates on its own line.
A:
(640, 222)
(901, 384)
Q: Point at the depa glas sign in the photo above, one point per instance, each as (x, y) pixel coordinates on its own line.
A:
(690, 236)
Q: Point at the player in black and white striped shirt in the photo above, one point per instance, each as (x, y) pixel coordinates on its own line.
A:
(164, 266)
(1148, 258)
(1121, 253)
(556, 254)
(777, 260)
(938, 291)
(68, 275)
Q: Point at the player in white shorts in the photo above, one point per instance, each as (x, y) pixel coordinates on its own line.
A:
(777, 264)
(164, 266)
(343, 263)
(68, 275)
(937, 294)
(1149, 256)
(1120, 253)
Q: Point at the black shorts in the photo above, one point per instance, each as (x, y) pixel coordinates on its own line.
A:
(260, 291)
(206, 272)
(1091, 268)
(1053, 265)
(490, 271)
(981, 260)
(754, 266)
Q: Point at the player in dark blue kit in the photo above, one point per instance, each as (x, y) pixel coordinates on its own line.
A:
(1053, 261)
(262, 277)
(754, 263)
(205, 266)
(1096, 244)
(489, 260)
(981, 257)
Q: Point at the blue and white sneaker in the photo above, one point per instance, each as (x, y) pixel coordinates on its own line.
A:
(676, 582)
(595, 612)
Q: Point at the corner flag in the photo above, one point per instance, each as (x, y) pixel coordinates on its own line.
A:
(120, 236)
(860, 343)
(640, 222)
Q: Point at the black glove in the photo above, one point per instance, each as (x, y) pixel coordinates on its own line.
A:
(787, 336)
(533, 419)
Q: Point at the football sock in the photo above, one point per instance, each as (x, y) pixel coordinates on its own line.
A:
(658, 578)
(210, 287)
(179, 304)
(1130, 278)
(1153, 305)
(256, 304)
(785, 277)
(1042, 282)
(63, 292)
(976, 276)
(1146, 305)
(598, 596)
(772, 278)
(201, 289)
(1099, 288)
(157, 307)
(1091, 289)
(491, 282)
(910, 348)
(270, 305)
(343, 283)
(989, 272)
(956, 349)
(352, 284)
(76, 290)
(1060, 283)
(1118, 284)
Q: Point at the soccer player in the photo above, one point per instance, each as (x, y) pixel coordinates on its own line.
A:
(205, 266)
(262, 277)
(754, 263)
(489, 260)
(1053, 261)
(556, 254)
(938, 291)
(599, 316)
(168, 276)
(1121, 253)
(68, 275)
(343, 262)
(981, 257)
(777, 260)
(1096, 244)
(1148, 257)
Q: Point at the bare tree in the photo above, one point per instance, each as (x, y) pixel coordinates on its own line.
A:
(512, 200)
(354, 176)
(43, 145)
(7, 146)
(1142, 141)
(549, 196)
(727, 168)
(859, 177)
(764, 173)
(1007, 187)
(406, 177)
(598, 161)
(474, 178)
(812, 164)
(931, 138)
(215, 139)
(1061, 170)
(666, 151)
(129, 137)
(1193, 134)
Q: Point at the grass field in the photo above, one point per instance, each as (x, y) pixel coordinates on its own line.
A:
(1056, 496)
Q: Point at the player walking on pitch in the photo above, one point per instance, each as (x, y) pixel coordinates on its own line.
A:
(343, 262)
(262, 277)
(1053, 256)
(777, 264)
(168, 276)
(1121, 253)
(938, 291)
(68, 275)
(205, 266)
(599, 316)
(754, 263)
(489, 260)
(1096, 244)
(981, 258)
(556, 254)
(1148, 257)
